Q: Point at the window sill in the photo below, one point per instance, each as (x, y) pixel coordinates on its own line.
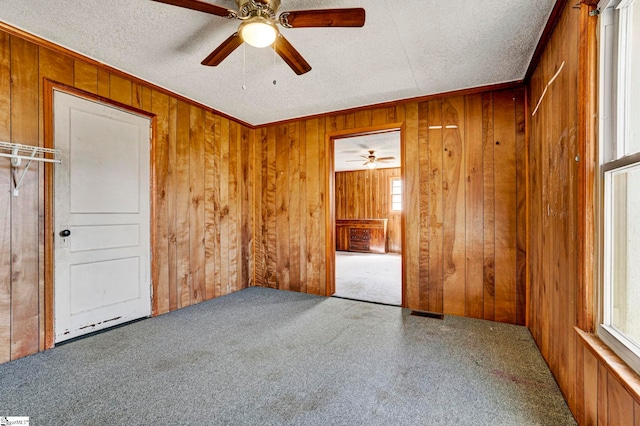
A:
(612, 362)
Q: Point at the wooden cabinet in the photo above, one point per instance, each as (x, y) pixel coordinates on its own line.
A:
(361, 235)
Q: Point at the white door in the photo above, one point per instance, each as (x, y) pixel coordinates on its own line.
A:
(102, 267)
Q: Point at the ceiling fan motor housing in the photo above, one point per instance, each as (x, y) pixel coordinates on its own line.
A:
(263, 8)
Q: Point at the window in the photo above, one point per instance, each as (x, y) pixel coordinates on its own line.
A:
(620, 178)
(396, 194)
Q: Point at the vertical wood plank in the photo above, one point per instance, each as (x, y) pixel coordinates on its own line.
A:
(160, 264)
(536, 178)
(5, 200)
(579, 393)
(24, 223)
(589, 391)
(324, 220)
(425, 198)
(210, 205)
(363, 118)
(217, 205)
(261, 274)
(282, 207)
(196, 204)
(246, 189)
(141, 97)
(411, 252)
(335, 122)
(183, 205)
(232, 210)
(620, 404)
(488, 267)
(271, 206)
(313, 206)
(379, 116)
(54, 66)
(474, 193)
(224, 207)
(603, 396)
(636, 409)
(505, 206)
(350, 120)
(453, 206)
(104, 83)
(136, 95)
(257, 266)
(172, 199)
(436, 213)
(120, 89)
(521, 210)
(294, 207)
(85, 76)
(302, 169)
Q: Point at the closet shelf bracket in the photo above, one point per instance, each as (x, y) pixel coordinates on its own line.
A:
(18, 152)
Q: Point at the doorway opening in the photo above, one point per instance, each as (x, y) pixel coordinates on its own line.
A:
(367, 216)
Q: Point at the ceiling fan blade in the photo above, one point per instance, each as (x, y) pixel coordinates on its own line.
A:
(201, 6)
(224, 50)
(385, 158)
(291, 56)
(351, 161)
(323, 18)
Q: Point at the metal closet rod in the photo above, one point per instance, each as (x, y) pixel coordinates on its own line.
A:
(29, 152)
(19, 152)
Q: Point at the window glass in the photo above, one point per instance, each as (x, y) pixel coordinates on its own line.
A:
(625, 250)
(396, 194)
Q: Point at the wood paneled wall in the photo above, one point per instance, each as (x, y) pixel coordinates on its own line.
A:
(202, 219)
(553, 204)
(607, 391)
(464, 180)
(561, 164)
(366, 194)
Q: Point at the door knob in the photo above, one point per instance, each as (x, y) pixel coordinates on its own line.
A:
(65, 233)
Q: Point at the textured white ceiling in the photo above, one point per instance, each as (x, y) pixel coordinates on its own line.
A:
(407, 48)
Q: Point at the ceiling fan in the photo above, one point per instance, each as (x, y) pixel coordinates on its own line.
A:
(371, 160)
(258, 27)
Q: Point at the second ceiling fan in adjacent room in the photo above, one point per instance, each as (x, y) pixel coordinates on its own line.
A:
(371, 160)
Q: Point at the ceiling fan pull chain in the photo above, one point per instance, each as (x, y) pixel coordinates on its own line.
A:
(274, 60)
(244, 66)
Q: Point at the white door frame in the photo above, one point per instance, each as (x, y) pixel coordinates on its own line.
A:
(49, 201)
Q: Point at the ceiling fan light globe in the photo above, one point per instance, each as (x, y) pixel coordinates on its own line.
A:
(258, 32)
(371, 165)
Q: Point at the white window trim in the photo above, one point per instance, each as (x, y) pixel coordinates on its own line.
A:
(625, 8)
(613, 53)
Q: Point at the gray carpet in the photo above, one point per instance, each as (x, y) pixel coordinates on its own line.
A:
(262, 356)
(369, 276)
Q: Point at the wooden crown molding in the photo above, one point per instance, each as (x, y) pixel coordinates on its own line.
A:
(78, 56)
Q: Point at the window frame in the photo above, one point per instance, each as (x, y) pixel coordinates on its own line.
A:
(615, 156)
(392, 179)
